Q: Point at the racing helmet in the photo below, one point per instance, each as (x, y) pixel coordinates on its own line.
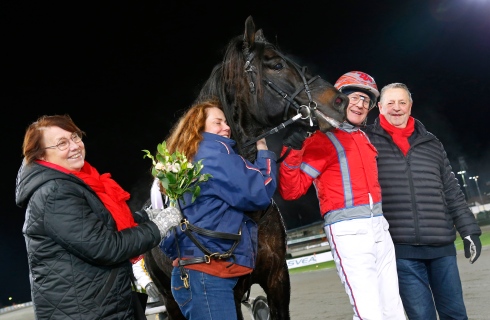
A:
(358, 81)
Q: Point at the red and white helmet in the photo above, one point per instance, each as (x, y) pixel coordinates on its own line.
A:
(358, 80)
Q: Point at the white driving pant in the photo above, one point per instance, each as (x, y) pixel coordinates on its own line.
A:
(365, 259)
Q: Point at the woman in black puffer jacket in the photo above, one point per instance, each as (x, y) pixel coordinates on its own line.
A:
(80, 233)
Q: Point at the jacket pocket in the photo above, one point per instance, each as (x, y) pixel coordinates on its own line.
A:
(351, 228)
(386, 224)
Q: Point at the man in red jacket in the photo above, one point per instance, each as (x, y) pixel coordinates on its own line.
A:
(342, 166)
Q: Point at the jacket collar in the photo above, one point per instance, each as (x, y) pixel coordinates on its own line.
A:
(347, 127)
(214, 137)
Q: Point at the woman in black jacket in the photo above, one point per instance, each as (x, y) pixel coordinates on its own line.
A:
(425, 206)
(80, 233)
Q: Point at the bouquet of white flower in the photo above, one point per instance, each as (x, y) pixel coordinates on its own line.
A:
(176, 174)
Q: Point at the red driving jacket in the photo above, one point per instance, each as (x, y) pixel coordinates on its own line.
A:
(342, 166)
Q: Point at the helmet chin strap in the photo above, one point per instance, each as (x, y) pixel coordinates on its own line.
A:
(355, 125)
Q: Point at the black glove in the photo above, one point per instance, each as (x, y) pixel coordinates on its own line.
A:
(152, 291)
(472, 247)
(294, 136)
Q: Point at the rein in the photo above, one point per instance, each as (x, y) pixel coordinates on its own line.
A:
(273, 130)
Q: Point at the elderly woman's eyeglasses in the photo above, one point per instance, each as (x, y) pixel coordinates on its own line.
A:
(354, 99)
(64, 143)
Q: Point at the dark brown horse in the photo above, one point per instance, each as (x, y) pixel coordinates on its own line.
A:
(259, 88)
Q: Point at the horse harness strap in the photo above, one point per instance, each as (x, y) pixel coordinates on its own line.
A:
(210, 233)
(209, 255)
(188, 228)
(184, 276)
(286, 153)
(215, 234)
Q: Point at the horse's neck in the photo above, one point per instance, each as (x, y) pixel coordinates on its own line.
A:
(249, 153)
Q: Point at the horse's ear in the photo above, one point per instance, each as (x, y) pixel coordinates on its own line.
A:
(249, 35)
(259, 36)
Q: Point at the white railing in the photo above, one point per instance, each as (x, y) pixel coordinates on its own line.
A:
(16, 307)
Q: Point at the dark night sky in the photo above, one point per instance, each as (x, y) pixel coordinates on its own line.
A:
(124, 72)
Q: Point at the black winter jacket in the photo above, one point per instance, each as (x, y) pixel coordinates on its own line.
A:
(422, 199)
(78, 262)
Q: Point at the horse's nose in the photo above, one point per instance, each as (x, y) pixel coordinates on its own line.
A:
(341, 102)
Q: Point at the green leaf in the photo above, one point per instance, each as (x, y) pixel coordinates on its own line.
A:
(190, 175)
(171, 177)
(160, 158)
(161, 175)
(196, 193)
(162, 147)
(164, 182)
(205, 177)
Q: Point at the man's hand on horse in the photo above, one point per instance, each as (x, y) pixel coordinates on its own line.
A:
(294, 136)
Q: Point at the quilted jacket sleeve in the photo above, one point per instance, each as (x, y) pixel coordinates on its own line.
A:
(77, 220)
(463, 218)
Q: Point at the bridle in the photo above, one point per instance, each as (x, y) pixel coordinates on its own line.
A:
(303, 111)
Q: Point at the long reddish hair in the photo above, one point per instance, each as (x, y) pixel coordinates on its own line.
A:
(185, 136)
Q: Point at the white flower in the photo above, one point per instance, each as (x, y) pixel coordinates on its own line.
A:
(159, 166)
(175, 168)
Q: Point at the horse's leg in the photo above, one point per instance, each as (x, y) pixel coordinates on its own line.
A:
(242, 286)
(159, 268)
(271, 271)
(278, 293)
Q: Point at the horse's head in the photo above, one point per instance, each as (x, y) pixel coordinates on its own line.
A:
(282, 88)
(259, 88)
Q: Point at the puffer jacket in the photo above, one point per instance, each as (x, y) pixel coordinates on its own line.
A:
(422, 199)
(78, 262)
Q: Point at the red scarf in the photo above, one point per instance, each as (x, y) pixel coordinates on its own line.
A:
(399, 135)
(109, 192)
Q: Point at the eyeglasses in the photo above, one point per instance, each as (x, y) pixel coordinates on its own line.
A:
(64, 143)
(354, 99)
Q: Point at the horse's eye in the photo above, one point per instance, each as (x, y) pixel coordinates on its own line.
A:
(278, 66)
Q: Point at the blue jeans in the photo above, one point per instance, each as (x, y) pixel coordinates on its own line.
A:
(430, 284)
(208, 297)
